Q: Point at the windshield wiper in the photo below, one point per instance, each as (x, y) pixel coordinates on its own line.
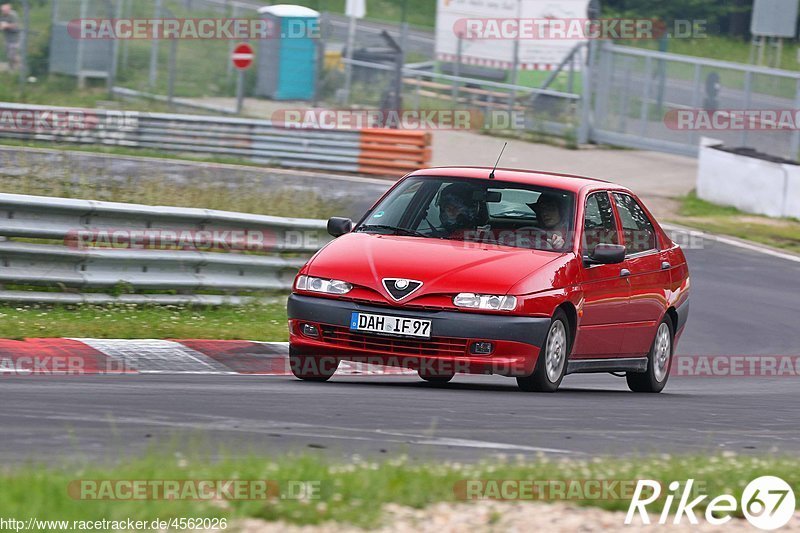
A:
(400, 231)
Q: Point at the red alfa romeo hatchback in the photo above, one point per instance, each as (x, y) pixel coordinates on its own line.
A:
(526, 274)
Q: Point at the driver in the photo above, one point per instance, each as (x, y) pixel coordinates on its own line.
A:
(549, 209)
(459, 211)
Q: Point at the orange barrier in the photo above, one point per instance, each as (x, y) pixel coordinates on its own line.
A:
(388, 152)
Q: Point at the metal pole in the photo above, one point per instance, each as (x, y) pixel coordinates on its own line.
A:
(514, 76)
(319, 75)
(23, 45)
(231, 44)
(584, 127)
(173, 62)
(457, 68)
(761, 47)
(127, 13)
(515, 63)
(79, 52)
(794, 142)
(348, 68)
(748, 83)
(240, 92)
(404, 27)
(644, 115)
(154, 50)
(112, 66)
(695, 99)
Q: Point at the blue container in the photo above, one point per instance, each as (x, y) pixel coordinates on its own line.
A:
(287, 62)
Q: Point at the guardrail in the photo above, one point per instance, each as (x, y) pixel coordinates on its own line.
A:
(106, 245)
(377, 151)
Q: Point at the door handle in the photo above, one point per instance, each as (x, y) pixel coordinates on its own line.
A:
(624, 273)
(665, 265)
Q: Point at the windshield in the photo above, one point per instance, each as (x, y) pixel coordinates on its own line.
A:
(476, 211)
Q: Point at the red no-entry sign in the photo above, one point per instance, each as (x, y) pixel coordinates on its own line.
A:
(243, 56)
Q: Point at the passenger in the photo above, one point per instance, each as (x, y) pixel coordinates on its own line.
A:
(551, 220)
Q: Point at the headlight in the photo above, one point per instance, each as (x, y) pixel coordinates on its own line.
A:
(485, 301)
(328, 286)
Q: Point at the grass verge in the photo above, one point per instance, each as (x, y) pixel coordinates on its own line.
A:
(257, 321)
(725, 220)
(354, 492)
(244, 194)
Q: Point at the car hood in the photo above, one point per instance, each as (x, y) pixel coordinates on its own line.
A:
(443, 266)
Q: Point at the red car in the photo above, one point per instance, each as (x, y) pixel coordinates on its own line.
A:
(532, 275)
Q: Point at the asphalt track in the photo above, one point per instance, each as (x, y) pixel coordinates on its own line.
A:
(743, 302)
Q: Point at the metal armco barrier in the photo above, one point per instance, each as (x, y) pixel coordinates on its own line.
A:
(276, 249)
(383, 152)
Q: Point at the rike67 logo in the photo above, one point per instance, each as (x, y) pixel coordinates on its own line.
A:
(768, 503)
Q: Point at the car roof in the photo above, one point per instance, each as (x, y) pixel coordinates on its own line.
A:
(556, 180)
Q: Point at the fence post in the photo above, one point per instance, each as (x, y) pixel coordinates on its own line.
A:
(79, 52)
(648, 80)
(585, 127)
(115, 7)
(154, 51)
(794, 143)
(457, 69)
(748, 85)
(23, 45)
(695, 99)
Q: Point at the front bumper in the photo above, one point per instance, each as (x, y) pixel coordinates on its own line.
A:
(516, 339)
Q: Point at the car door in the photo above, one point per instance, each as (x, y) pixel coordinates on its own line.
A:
(605, 290)
(649, 275)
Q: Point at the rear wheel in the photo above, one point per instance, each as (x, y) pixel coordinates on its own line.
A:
(552, 362)
(659, 361)
(311, 368)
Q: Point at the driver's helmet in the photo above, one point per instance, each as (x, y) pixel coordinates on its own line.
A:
(458, 207)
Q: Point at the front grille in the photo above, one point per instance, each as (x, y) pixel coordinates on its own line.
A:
(341, 336)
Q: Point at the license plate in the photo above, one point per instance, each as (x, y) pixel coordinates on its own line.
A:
(390, 325)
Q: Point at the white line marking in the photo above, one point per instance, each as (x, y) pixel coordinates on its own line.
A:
(735, 242)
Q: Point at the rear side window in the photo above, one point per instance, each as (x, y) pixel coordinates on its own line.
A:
(636, 227)
(599, 226)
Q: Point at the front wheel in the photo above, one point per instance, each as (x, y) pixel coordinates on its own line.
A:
(311, 368)
(659, 361)
(552, 362)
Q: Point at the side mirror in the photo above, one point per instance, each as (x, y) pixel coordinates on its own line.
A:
(607, 254)
(338, 226)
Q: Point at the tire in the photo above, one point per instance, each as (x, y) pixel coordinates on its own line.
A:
(551, 366)
(659, 362)
(310, 367)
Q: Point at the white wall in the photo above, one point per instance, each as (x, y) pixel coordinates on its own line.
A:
(752, 185)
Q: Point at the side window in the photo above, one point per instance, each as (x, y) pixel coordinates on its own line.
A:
(637, 228)
(599, 226)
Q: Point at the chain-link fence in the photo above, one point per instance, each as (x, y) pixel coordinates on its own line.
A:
(666, 102)
(636, 97)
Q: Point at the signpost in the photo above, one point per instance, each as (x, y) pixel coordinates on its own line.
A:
(242, 59)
